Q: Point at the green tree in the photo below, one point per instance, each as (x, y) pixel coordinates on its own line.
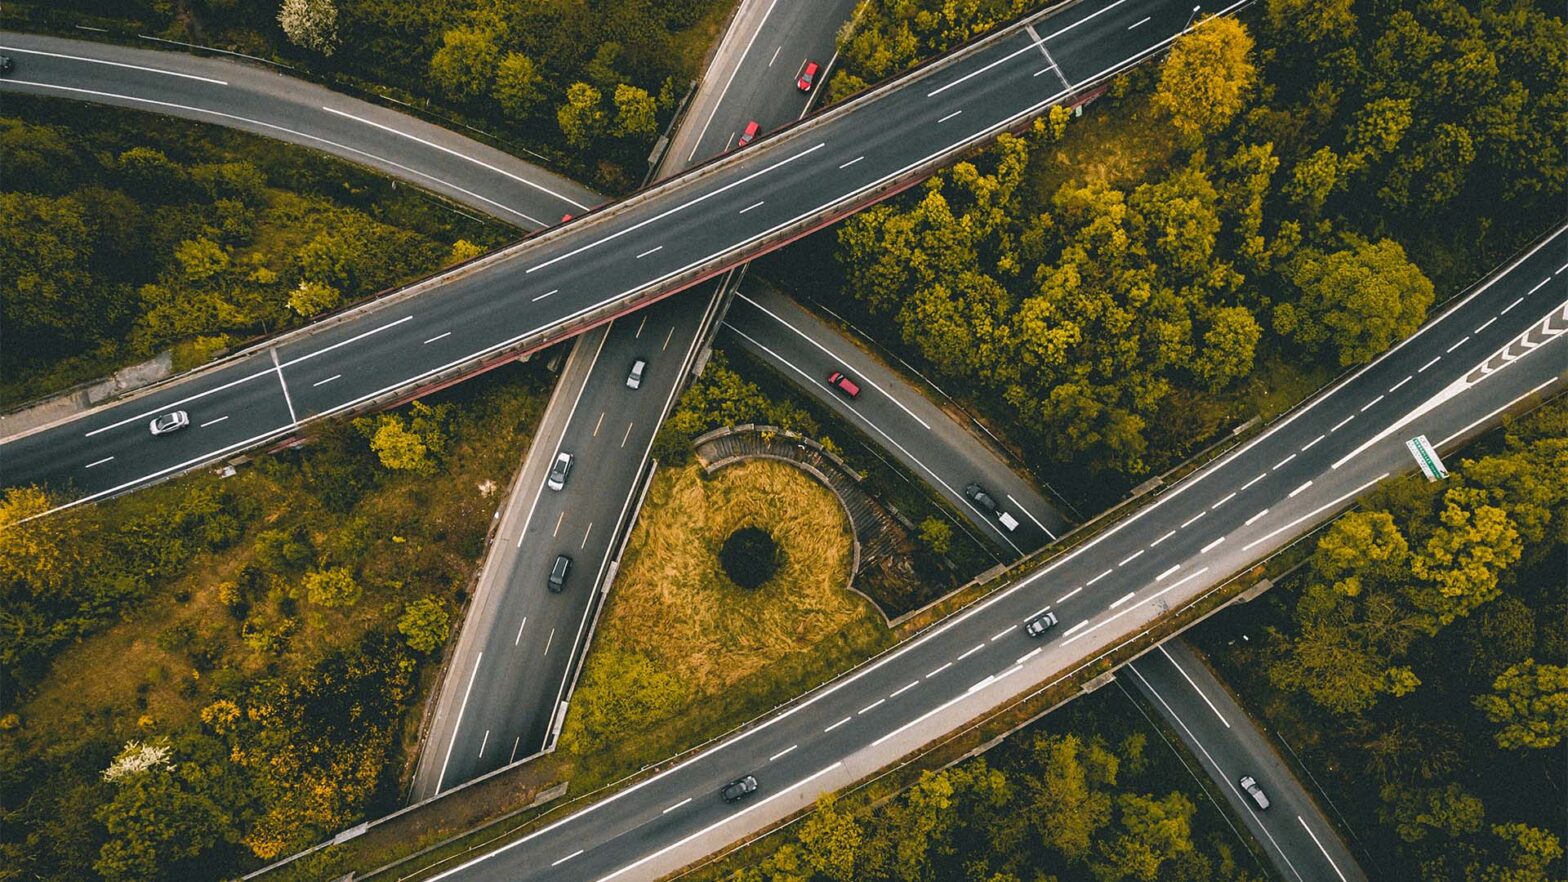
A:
(466, 62)
(1315, 179)
(1205, 80)
(159, 824)
(1070, 806)
(1530, 702)
(45, 250)
(1156, 831)
(201, 259)
(464, 250)
(635, 112)
(1229, 346)
(400, 449)
(1530, 852)
(312, 24)
(425, 624)
(334, 587)
(1312, 21)
(1361, 546)
(1416, 811)
(1359, 300)
(830, 840)
(936, 535)
(582, 117)
(1463, 558)
(312, 298)
(519, 87)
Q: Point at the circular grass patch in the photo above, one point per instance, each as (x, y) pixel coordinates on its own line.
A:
(749, 557)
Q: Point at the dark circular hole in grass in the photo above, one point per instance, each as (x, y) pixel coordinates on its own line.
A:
(750, 557)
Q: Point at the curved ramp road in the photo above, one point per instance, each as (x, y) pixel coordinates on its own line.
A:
(1501, 345)
(573, 277)
(268, 102)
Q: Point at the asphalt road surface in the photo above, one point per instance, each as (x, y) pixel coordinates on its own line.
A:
(893, 414)
(1501, 346)
(1295, 837)
(586, 271)
(520, 644)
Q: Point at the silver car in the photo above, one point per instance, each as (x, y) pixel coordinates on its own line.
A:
(560, 471)
(1249, 785)
(634, 379)
(169, 422)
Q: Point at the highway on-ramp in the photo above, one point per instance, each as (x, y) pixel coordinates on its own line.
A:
(601, 265)
(1502, 345)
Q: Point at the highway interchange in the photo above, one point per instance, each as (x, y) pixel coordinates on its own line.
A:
(1419, 380)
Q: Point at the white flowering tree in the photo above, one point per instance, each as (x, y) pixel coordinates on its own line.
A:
(311, 23)
(137, 757)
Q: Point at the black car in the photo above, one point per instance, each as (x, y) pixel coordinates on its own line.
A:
(558, 571)
(1040, 624)
(6, 64)
(739, 789)
(980, 498)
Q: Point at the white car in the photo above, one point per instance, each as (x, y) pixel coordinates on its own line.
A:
(634, 378)
(1249, 784)
(169, 422)
(560, 471)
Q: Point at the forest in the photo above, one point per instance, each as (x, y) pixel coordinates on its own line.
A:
(1284, 197)
(127, 238)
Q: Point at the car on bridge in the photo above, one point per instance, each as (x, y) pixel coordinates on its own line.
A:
(739, 789)
(749, 135)
(560, 471)
(169, 422)
(1040, 624)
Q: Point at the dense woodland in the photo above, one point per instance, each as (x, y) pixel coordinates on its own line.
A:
(587, 83)
(126, 238)
(1256, 212)
(213, 673)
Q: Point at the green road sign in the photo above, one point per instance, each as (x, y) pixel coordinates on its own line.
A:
(1427, 458)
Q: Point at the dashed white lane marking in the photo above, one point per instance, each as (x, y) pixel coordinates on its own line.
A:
(938, 669)
(1141, 21)
(1299, 489)
(1162, 538)
(971, 651)
(327, 380)
(1161, 577)
(949, 116)
(1308, 446)
(836, 725)
(1211, 546)
(585, 536)
(1326, 855)
(775, 56)
(1075, 627)
(1486, 324)
(783, 752)
(677, 805)
(1462, 341)
(1130, 558)
(483, 742)
(667, 339)
(901, 690)
(1096, 578)
(851, 162)
(752, 205)
(1123, 599)
(98, 463)
(1190, 682)
(549, 640)
(520, 628)
(1069, 594)
(1028, 655)
(1422, 368)
(1327, 506)
(598, 423)
(1228, 497)
(1342, 423)
(1014, 54)
(1560, 269)
(563, 860)
(628, 433)
(212, 422)
(546, 294)
(872, 706)
(1538, 286)
(1258, 478)
(1069, 637)
(438, 337)
(652, 250)
(1000, 634)
(640, 325)
(1192, 520)
(1287, 459)
(1370, 404)
(1255, 518)
(513, 758)
(1401, 382)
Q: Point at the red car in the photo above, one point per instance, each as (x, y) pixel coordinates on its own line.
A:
(749, 135)
(844, 384)
(808, 76)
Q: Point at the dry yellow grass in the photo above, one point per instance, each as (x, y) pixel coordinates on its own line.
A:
(673, 603)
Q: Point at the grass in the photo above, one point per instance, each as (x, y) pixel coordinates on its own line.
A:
(672, 601)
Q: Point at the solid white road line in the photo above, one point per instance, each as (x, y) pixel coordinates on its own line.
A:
(455, 726)
(677, 805)
(156, 70)
(1315, 512)
(1190, 682)
(1326, 855)
(738, 62)
(449, 151)
(1011, 55)
(1495, 412)
(1031, 516)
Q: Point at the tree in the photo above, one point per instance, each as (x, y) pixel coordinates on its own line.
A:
(425, 624)
(1312, 21)
(201, 259)
(1359, 300)
(518, 85)
(581, 118)
(159, 824)
(1315, 179)
(1205, 80)
(1416, 811)
(45, 249)
(312, 24)
(332, 588)
(830, 840)
(399, 449)
(635, 112)
(936, 535)
(1530, 702)
(1463, 558)
(312, 298)
(1157, 831)
(1228, 347)
(1530, 853)
(466, 61)
(1069, 806)
(464, 250)
(1361, 547)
